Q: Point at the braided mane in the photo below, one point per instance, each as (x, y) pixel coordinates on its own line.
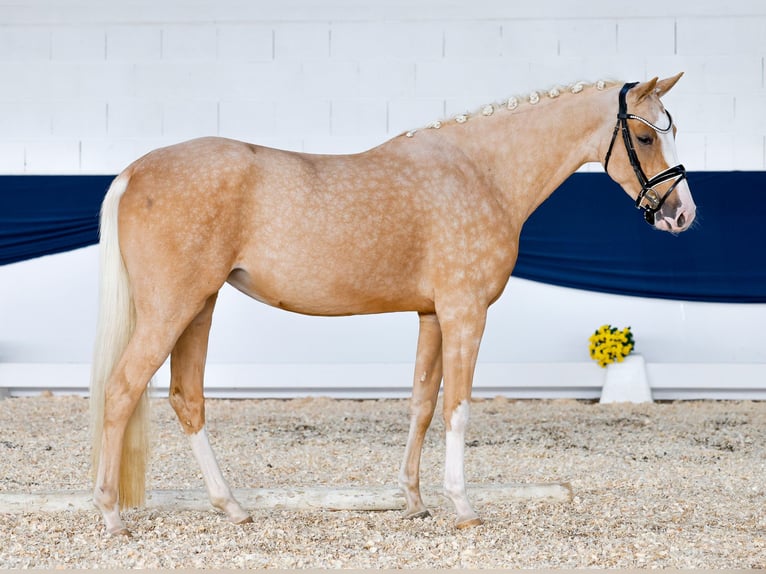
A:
(513, 103)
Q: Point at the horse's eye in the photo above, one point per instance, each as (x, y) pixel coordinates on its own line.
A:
(645, 140)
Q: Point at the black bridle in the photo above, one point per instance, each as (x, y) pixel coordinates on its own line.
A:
(648, 199)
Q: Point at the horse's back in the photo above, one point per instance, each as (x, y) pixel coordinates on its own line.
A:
(317, 234)
(325, 235)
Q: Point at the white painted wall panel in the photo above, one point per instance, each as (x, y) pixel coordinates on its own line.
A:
(178, 125)
(479, 80)
(387, 40)
(50, 156)
(302, 41)
(383, 78)
(358, 117)
(242, 119)
(87, 53)
(189, 42)
(245, 42)
(134, 118)
(722, 35)
(24, 43)
(473, 40)
(25, 119)
(409, 113)
(78, 43)
(77, 120)
(530, 38)
(12, 156)
(329, 79)
(644, 37)
(107, 155)
(87, 81)
(133, 43)
(586, 38)
(295, 116)
(749, 114)
(256, 80)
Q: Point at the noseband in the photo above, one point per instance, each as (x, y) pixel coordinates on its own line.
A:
(649, 200)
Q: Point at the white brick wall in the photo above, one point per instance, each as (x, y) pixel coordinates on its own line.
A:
(87, 86)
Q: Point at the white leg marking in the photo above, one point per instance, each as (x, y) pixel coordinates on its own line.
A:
(217, 488)
(454, 478)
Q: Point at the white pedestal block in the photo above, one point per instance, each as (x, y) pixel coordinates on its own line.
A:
(626, 382)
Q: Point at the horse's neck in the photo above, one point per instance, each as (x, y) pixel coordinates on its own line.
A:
(530, 152)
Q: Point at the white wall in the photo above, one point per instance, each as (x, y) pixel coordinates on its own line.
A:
(88, 86)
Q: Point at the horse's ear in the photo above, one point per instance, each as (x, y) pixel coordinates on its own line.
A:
(642, 90)
(663, 86)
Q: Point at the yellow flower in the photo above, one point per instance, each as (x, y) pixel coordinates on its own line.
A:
(609, 344)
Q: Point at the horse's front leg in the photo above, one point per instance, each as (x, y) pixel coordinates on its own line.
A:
(187, 366)
(462, 329)
(425, 391)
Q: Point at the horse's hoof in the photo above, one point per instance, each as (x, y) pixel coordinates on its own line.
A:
(469, 523)
(121, 532)
(245, 520)
(417, 514)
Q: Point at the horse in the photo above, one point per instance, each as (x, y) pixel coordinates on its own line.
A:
(426, 222)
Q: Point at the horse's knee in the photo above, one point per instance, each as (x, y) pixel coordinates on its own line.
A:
(422, 412)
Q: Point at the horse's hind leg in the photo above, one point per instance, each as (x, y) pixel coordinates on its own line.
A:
(425, 390)
(187, 365)
(148, 348)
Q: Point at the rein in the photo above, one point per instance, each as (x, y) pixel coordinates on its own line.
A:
(648, 194)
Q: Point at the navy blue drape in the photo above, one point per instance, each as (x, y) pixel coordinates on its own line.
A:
(41, 215)
(586, 235)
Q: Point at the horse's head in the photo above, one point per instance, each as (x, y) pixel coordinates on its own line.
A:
(641, 156)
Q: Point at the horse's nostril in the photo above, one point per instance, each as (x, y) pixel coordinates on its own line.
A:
(681, 220)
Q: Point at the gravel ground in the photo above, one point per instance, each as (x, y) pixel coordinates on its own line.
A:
(667, 485)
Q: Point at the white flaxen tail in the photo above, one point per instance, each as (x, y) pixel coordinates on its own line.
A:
(116, 322)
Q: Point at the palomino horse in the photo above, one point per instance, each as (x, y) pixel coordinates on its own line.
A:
(427, 222)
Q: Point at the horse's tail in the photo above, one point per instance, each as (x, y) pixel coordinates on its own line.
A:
(116, 323)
